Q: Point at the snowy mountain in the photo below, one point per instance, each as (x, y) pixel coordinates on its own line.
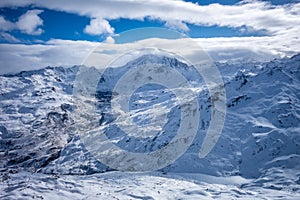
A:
(257, 155)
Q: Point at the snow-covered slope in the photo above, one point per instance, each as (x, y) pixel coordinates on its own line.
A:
(260, 140)
(34, 116)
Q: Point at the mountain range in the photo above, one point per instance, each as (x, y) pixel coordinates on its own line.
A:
(257, 154)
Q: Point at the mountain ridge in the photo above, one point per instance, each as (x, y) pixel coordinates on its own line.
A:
(50, 90)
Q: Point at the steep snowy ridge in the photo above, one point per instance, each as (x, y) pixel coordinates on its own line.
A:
(34, 116)
(260, 140)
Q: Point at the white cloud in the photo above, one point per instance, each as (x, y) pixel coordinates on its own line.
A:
(98, 27)
(281, 22)
(234, 49)
(255, 14)
(6, 25)
(17, 57)
(29, 22)
(177, 25)
(8, 37)
(110, 40)
(247, 48)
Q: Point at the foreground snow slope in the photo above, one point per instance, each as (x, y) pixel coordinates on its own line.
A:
(260, 141)
(124, 185)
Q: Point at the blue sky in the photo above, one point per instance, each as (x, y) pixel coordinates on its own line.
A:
(70, 26)
(33, 22)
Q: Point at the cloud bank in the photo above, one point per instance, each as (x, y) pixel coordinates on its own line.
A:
(280, 25)
(18, 57)
(255, 15)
